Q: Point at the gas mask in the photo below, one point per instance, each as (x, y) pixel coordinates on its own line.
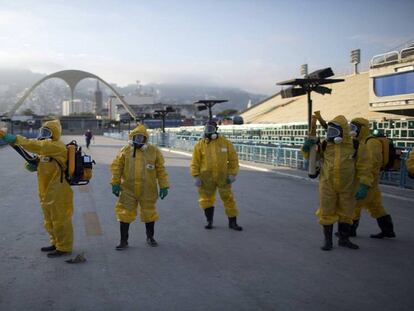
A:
(44, 133)
(210, 131)
(334, 133)
(139, 141)
(355, 129)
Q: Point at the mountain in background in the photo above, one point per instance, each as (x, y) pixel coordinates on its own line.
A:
(48, 97)
(188, 94)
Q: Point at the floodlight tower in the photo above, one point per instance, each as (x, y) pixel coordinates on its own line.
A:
(311, 82)
(205, 104)
(356, 59)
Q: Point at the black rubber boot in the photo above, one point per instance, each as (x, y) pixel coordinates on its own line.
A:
(233, 224)
(124, 228)
(354, 227)
(209, 212)
(344, 230)
(149, 226)
(48, 248)
(327, 232)
(57, 253)
(386, 226)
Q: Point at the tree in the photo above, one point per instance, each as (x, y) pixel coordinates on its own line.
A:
(227, 112)
(28, 112)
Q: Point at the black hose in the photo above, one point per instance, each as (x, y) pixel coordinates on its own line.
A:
(25, 155)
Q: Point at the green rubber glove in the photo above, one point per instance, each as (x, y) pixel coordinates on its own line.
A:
(30, 167)
(362, 192)
(163, 193)
(9, 138)
(308, 144)
(231, 179)
(116, 189)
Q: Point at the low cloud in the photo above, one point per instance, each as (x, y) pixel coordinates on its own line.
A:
(385, 41)
(254, 76)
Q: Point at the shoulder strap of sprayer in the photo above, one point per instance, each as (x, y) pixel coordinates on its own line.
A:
(61, 170)
(356, 146)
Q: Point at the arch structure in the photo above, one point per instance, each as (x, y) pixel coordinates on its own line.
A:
(72, 78)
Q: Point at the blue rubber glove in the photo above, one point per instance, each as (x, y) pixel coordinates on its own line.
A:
(308, 144)
(30, 167)
(116, 189)
(163, 193)
(362, 192)
(9, 138)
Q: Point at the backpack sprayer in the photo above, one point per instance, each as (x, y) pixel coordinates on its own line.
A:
(79, 165)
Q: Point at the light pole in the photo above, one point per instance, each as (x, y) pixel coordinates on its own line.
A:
(162, 113)
(311, 82)
(205, 104)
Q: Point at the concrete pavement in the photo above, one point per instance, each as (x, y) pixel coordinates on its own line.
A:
(274, 264)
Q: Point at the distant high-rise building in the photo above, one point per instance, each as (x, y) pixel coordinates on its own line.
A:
(98, 100)
(75, 107)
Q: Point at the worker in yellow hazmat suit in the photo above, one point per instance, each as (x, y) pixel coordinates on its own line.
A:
(372, 148)
(215, 165)
(55, 193)
(340, 167)
(135, 172)
(410, 164)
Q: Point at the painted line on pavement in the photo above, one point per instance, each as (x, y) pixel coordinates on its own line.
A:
(177, 152)
(392, 196)
(260, 169)
(92, 225)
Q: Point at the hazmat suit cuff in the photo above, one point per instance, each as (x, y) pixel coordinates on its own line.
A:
(115, 182)
(365, 181)
(20, 140)
(305, 154)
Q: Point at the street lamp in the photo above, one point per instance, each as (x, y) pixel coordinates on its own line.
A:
(162, 113)
(311, 82)
(205, 104)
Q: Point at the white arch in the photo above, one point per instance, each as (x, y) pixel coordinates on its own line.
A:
(72, 78)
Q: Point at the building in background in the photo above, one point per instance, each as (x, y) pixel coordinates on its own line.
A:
(98, 100)
(76, 107)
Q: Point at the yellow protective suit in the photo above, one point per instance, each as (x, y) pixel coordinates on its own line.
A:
(373, 150)
(56, 196)
(138, 180)
(213, 161)
(338, 178)
(410, 163)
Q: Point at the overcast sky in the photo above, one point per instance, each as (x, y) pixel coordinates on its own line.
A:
(246, 44)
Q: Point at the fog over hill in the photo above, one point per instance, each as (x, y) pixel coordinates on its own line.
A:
(48, 97)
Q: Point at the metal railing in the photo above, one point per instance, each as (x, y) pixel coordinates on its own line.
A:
(398, 178)
(275, 155)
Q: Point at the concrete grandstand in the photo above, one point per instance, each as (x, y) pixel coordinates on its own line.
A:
(349, 98)
(384, 95)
